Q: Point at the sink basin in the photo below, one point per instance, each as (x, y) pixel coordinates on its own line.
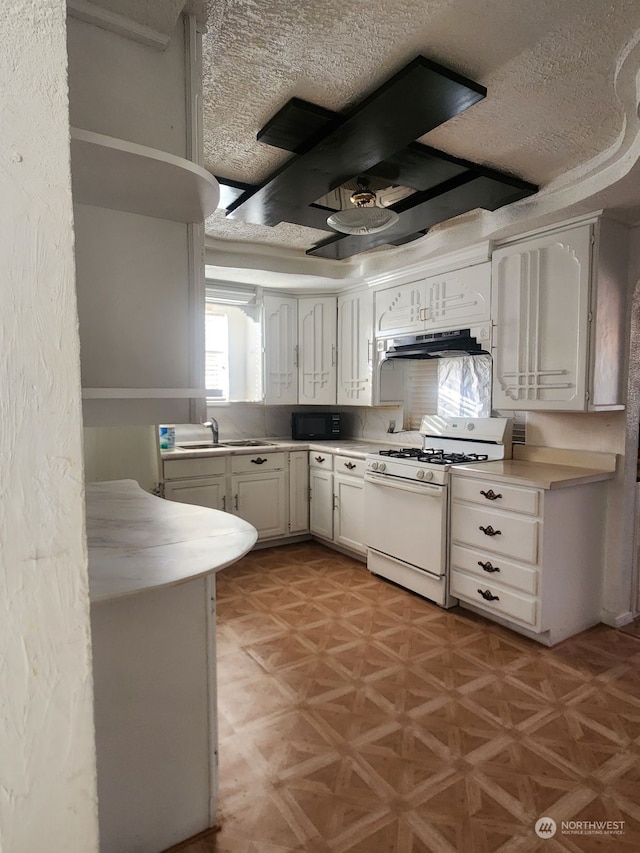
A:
(246, 442)
(207, 446)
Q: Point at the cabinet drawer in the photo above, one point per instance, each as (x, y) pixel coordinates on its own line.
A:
(491, 569)
(320, 459)
(511, 605)
(508, 533)
(347, 466)
(498, 495)
(206, 466)
(257, 462)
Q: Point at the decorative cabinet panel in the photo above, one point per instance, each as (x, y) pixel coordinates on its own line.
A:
(451, 300)
(280, 349)
(558, 308)
(527, 557)
(355, 349)
(317, 351)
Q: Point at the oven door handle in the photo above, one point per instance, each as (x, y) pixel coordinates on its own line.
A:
(390, 483)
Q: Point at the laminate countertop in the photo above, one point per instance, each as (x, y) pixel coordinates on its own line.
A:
(356, 448)
(545, 468)
(138, 542)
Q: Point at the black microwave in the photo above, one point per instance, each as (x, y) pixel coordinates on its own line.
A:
(306, 426)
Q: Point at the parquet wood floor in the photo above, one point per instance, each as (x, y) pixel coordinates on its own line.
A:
(356, 717)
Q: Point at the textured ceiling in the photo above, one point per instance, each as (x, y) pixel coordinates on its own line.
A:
(549, 68)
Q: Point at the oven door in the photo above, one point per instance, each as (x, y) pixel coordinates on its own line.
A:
(407, 521)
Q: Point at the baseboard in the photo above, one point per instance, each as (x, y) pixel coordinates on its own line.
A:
(205, 835)
(618, 620)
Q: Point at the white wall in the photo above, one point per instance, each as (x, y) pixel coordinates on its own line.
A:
(47, 764)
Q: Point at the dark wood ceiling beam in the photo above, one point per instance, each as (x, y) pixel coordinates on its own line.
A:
(458, 196)
(417, 99)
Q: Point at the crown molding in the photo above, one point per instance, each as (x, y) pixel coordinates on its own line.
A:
(90, 13)
(467, 257)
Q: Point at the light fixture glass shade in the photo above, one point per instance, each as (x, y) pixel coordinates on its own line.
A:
(362, 220)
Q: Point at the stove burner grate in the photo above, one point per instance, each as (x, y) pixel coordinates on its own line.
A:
(432, 456)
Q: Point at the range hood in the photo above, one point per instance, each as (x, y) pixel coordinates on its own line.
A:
(449, 344)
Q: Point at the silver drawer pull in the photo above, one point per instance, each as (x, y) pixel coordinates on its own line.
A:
(489, 531)
(320, 459)
(490, 495)
(259, 461)
(488, 596)
(349, 465)
(487, 567)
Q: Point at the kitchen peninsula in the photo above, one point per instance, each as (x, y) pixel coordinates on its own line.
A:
(151, 566)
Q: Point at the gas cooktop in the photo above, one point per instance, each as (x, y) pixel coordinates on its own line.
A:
(433, 456)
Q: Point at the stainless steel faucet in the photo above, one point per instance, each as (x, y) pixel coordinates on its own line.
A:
(213, 424)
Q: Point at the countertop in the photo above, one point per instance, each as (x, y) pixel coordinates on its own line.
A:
(545, 468)
(139, 542)
(356, 448)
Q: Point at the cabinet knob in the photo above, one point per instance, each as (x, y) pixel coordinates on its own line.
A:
(258, 460)
(487, 567)
(489, 531)
(320, 459)
(488, 595)
(490, 495)
(349, 465)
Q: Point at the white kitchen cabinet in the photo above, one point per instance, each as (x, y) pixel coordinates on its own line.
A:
(261, 500)
(451, 300)
(529, 558)
(558, 309)
(280, 325)
(355, 349)
(209, 492)
(321, 494)
(348, 487)
(298, 491)
(317, 350)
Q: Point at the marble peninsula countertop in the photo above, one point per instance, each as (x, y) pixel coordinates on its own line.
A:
(138, 542)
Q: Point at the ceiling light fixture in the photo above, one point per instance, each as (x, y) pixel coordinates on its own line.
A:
(366, 217)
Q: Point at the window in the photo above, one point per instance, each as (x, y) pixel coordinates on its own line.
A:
(233, 344)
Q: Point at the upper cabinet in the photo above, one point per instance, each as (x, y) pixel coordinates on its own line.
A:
(451, 300)
(355, 348)
(317, 350)
(300, 350)
(558, 311)
(280, 321)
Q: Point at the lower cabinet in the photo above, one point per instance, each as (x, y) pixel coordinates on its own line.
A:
(260, 500)
(337, 499)
(206, 492)
(528, 558)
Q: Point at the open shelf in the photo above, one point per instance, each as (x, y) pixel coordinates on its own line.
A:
(119, 175)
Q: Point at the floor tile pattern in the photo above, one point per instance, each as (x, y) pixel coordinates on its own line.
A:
(356, 717)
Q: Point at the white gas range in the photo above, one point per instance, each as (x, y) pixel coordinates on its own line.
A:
(406, 499)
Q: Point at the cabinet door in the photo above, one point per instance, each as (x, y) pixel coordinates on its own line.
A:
(321, 503)
(317, 350)
(355, 349)
(540, 306)
(280, 348)
(349, 513)
(209, 493)
(458, 299)
(400, 309)
(260, 500)
(298, 491)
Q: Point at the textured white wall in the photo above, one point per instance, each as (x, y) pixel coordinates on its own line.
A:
(47, 763)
